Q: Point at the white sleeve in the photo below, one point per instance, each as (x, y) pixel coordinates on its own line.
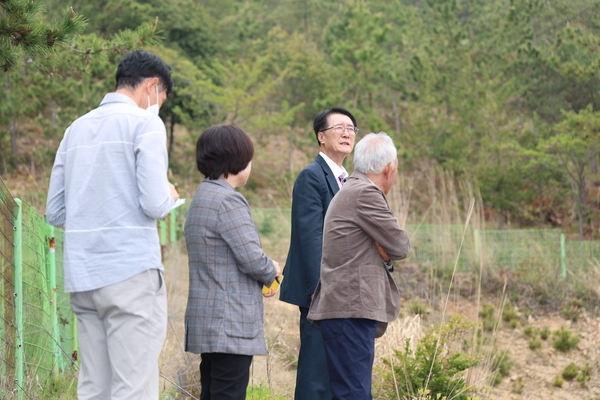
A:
(55, 203)
(152, 163)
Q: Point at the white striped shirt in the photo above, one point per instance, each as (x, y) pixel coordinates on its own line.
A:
(108, 186)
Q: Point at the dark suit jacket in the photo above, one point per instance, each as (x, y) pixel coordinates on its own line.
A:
(228, 268)
(314, 188)
(354, 282)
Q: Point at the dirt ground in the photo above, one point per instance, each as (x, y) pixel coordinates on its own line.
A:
(531, 374)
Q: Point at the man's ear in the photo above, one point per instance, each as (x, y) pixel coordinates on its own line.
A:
(389, 168)
(150, 83)
(320, 138)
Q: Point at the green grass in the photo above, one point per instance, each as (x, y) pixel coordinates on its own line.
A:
(262, 393)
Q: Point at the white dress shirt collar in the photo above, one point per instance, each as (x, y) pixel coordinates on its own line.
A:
(335, 169)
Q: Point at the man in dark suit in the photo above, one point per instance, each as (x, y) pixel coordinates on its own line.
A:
(315, 186)
(356, 296)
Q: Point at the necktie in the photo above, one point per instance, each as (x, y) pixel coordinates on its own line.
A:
(341, 179)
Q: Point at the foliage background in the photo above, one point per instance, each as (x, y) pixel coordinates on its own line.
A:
(503, 93)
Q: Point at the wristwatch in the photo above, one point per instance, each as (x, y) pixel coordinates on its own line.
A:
(389, 265)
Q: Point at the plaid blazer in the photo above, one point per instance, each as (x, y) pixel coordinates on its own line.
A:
(227, 269)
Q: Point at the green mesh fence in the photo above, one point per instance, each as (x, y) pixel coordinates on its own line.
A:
(582, 255)
(38, 333)
(66, 321)
(37, 314)
(8, 213)
(38, 327)
(438, 245)
(524, 250)
(38, 330)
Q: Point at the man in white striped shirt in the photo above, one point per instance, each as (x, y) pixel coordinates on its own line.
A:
(108, 186)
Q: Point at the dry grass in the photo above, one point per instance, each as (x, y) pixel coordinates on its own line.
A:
(178, 369)
(453, 201)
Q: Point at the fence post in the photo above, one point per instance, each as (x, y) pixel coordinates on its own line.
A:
(18, 285)
(57, 362)
(162, 232)
(173, 226)
(563, 261)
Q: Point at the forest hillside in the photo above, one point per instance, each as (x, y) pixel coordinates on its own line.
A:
(494, 106)
(503, 94)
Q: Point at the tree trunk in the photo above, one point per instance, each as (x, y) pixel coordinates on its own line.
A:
(12, 125)
(578, 189)
(13, 138)
(581, 207)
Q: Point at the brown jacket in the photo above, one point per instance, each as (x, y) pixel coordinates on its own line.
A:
(354, 281)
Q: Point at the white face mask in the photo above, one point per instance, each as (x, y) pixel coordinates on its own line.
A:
(155, 107)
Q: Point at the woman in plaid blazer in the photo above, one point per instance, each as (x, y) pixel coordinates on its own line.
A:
(224, 315)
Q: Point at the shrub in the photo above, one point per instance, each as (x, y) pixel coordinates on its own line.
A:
(570, 372)
(417, 307)
(545, 333)
(535, 343)
(500, 367)
(434, 368)
(584, 374)
(510, 315)
(558, 381)
(530, 332)
(572, 311)
(518, 386)
(488, 317)
(564, 340)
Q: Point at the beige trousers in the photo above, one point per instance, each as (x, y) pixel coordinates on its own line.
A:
(121, 331)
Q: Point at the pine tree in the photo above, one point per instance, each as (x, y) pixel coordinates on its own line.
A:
(25, 33)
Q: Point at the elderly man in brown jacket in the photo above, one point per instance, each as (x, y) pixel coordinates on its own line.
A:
(356, 296)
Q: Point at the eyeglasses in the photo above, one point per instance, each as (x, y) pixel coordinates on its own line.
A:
(340, 129)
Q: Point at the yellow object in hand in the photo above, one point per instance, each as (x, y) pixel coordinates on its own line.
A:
(274, 285)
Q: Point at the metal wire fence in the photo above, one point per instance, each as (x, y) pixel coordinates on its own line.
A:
(8, 213)
(38, 331)
(543, 251)
(37, 339)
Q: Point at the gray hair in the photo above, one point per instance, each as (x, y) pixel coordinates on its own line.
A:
(373, 152)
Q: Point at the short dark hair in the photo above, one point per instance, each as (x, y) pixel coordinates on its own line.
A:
(320, 121)
(139, 65)
(223, 150)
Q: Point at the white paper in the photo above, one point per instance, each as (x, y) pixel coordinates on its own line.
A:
(178, 203)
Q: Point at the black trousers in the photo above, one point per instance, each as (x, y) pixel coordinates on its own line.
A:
(224, 376)
(312, 379)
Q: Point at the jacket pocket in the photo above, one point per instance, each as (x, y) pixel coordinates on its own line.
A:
(372, 286)
(243, 316)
